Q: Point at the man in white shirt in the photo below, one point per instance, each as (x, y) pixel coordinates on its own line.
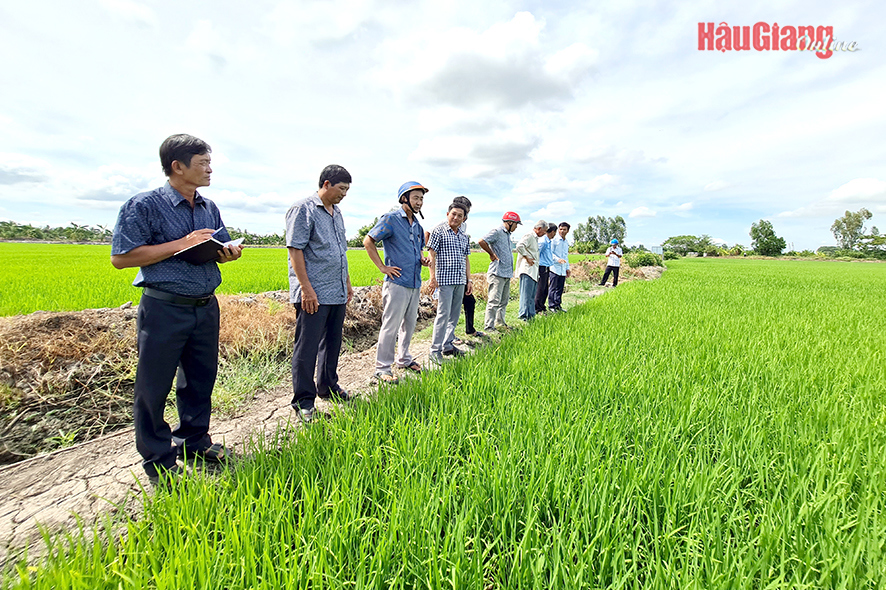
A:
(527, 269)
(614, 253)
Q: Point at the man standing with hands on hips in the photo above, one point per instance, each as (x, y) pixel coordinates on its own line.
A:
(178, 316)
(319, 288)
(403, 240)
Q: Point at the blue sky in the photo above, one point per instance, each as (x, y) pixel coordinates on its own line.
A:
(555, 110)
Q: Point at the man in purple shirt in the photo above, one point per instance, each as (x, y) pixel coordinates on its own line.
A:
(178, 316)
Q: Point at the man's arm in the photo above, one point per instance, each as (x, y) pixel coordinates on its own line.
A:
(523, 251)
(485, 245)
(433, 269)
(468, 281)
(151, 254)
(372, 250)
(309, 301)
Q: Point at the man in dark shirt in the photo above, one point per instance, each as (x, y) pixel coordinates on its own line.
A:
(178, 316)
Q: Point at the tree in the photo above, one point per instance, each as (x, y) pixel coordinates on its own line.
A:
(849, 229)
(599, 231)
(685, 244)
(764, 240)
(357, 241)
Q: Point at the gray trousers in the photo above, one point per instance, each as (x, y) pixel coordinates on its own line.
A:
(399, 314)
(497, 302)
(448, 309)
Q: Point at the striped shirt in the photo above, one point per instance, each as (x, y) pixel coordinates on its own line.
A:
(321, 237)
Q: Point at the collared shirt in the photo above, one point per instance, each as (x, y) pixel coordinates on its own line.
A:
(452, 249)
(321, 237)
(559, 249)
(528, 246)
(611, 253)
(544, 251)
(499, 239)
(403, 244)
(164, 215)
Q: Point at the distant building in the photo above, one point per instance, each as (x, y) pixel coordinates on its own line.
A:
(656, 250)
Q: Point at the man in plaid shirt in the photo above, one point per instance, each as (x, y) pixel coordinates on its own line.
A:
(451, 274)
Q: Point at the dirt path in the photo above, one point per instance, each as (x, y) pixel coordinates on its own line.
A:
(104, 476)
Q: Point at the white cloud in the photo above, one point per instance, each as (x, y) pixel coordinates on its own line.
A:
(642, 212)
(684, 207)
(555, 211)
(855, 194)
(717, 185)
(859, 189)
(505, 67)
(131, 11)
(113, 184)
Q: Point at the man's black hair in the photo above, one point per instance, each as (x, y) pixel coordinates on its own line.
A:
(455, 205)
(335, 174)
(551, 227)
(466, 202)
(181, 147)
(564, 224)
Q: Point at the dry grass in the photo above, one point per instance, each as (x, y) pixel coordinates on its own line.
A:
(66, 377)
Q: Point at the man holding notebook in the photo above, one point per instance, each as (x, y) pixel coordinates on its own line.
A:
(178, 317)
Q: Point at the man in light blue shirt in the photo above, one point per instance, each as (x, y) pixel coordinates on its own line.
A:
(559, 268)
(545, 260)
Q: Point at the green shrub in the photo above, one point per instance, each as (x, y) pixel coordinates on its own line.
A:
(670, 255)
(637, 259)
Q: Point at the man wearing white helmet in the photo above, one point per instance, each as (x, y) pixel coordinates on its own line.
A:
(403, 240)
(614, 253)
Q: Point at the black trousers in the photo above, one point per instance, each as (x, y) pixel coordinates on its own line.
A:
(174, 338)
(614, 271)
(318, 339)
(555, 293)
(470, 303)
(541, 291)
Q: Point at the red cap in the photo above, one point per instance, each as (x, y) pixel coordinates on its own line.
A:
(511, 216)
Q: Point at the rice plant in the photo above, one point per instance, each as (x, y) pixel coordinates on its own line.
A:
(722, 427)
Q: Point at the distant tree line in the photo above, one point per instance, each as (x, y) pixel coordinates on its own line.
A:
(855, 241)
(10, 230)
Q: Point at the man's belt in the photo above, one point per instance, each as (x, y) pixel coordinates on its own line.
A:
(177, 299)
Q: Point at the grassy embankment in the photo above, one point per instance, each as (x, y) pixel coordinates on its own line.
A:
(723, 427)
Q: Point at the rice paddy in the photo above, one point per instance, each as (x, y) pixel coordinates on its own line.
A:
(721, 427)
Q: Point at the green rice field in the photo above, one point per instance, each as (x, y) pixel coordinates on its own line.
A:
(721, 427)
(65, 277)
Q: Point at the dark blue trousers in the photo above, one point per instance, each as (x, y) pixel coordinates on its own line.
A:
(555, 290)
(318, 339)
(174, 338)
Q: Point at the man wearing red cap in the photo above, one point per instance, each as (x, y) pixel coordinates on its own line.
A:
(497, 243)
(403, 241)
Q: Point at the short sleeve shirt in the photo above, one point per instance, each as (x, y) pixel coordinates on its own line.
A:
(403, 244)
(544, 251)
(451, 250)
(499, 239)
(321, 237)
(164, 215)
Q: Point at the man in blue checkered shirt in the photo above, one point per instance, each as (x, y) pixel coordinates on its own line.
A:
(451, 274)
